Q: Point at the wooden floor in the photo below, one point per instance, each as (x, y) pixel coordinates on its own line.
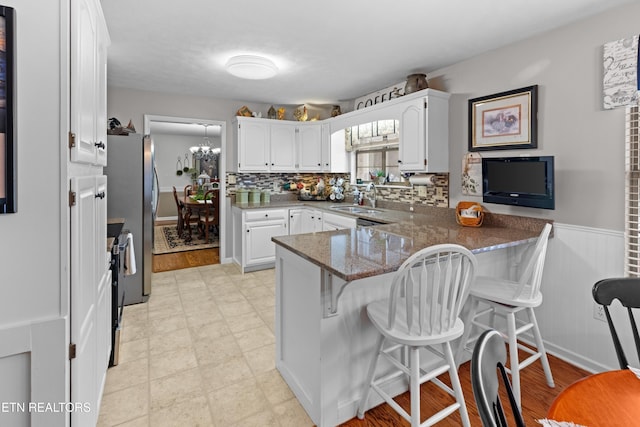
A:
(536, 398)
(186, 259)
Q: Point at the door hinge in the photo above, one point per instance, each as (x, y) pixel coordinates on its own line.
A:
(72, 351)
(72, 198)
(72, 139)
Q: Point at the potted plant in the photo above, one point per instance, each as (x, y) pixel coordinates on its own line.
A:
(380, 176)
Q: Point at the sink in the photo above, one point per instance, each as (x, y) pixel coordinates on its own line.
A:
(355, 209)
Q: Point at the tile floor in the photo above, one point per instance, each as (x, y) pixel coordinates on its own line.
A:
(201, 353)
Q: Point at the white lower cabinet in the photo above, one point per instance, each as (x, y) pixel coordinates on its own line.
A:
(305, 220)
(253, 230)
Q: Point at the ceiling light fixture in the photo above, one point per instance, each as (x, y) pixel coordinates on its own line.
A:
(204, 150)
(251, 67)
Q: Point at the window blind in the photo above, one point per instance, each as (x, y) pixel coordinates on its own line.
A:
(632, 192)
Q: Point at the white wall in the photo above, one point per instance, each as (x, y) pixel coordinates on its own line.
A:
(587, 141)
(167, 149)
(33, 255)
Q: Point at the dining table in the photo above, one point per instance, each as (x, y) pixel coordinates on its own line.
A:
(192, 205)
(606, 399)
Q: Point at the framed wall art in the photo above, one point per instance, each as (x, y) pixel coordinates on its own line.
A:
(7, 138)
(506, 120)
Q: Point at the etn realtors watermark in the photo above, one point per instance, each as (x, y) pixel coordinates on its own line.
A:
(44, 407)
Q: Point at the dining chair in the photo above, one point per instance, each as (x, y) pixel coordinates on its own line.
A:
(210, 216)
(422, 311)
(489, 356)
(507, 298)
(187, 190)
(179, 208)
(627, 291)
(181, 211)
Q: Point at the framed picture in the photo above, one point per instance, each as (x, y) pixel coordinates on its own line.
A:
(7, 138)
(506, 120)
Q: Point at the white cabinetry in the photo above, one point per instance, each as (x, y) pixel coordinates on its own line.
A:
(332, 221)
(253, 230)
(90, 291)
(310, 143)
(305, 220)
(265, 145)
(89, 41)
(424, 135)
(283, 147)
(253, 138)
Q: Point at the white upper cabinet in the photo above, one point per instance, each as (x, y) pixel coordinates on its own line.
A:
(253, 145)
(424, 135)
(89, 42)
(310, 147)
(283, 147)
(265, 145)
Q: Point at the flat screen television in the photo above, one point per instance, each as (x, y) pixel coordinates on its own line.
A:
(520, 181)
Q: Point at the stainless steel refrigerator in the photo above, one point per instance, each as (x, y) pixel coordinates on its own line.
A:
(133, 194)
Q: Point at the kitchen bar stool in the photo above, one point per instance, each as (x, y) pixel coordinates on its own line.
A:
(426, 296)
(506, 298)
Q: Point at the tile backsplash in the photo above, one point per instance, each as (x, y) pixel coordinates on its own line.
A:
(436, 195)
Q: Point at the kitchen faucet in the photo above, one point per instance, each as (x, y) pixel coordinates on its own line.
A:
(372, 187)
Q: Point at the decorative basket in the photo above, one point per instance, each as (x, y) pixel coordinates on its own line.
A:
(466, 220)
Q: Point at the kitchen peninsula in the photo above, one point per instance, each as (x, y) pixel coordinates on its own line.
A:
(324, 340)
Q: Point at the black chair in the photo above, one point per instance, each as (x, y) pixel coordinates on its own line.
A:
(490, 354)
(627, 291)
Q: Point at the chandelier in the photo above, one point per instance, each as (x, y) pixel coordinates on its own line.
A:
(204, 151)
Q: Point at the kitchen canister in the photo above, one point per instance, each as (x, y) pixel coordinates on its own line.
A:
(266, 196)
(254, 195)
(242, 195)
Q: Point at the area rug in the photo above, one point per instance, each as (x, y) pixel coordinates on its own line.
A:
(166, 240)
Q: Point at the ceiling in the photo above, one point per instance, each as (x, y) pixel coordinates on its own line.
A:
(327, 51)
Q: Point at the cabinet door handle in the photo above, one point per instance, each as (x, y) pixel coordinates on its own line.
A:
(319, 164)
(399, 161)
(248, 230)
(266, 164)
(266, 215)
(100, 195)
(99, 145)
(272, 164)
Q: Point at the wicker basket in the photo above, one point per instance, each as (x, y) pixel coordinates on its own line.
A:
(469, 221)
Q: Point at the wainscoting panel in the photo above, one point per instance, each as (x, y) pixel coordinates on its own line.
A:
(33, 368)
(578, 257)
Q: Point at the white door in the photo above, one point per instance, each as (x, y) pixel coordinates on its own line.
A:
(295, 221)
(84, 35)
(310, 147)
(260, 248)
(84, 366)
(283, 147)
(412, 137)
(253, 146)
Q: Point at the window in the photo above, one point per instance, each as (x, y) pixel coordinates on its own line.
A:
(380, 159)
(632, 193)
(376, 150)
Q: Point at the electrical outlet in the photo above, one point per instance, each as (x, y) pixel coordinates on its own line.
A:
(232, 179)
(422, 191)
(439, 192)
(598, 312)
